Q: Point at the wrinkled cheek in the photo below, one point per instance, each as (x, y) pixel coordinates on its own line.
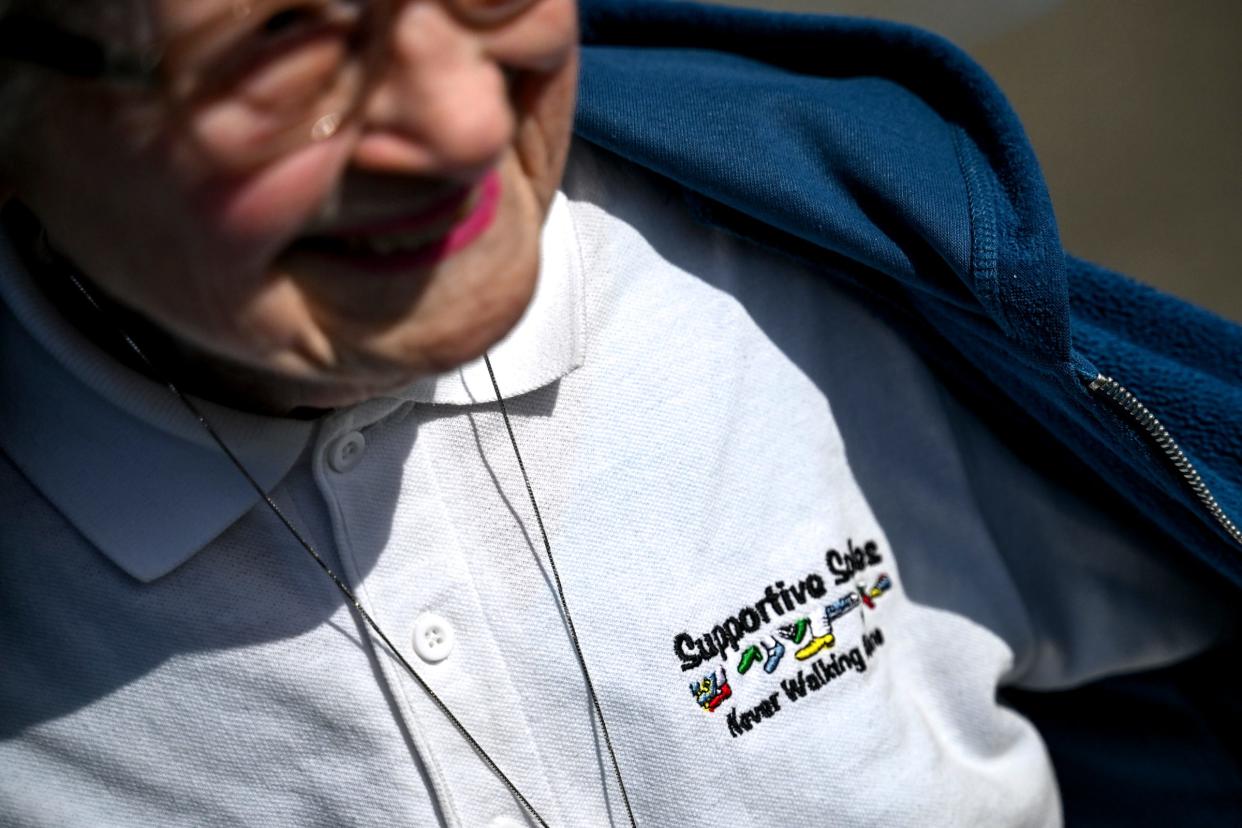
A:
(546, 107)
(265, 209)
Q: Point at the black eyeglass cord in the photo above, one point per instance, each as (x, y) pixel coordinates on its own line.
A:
(309, 548)
(560, 594)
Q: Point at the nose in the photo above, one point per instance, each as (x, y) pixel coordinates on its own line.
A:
(440, 105)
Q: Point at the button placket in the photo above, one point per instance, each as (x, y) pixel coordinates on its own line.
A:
(342, 493)
(419, 591)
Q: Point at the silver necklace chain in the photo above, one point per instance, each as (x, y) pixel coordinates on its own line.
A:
(352, 599)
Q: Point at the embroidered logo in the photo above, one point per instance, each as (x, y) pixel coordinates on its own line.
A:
(809, 635)
(709, 692)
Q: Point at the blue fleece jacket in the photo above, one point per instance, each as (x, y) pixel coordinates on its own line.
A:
(887, 158)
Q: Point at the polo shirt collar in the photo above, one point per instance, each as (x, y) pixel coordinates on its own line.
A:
(138, 477)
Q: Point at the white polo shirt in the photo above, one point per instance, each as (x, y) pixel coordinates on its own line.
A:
(778, 540)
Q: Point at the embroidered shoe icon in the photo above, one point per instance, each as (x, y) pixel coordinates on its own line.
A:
(815, 645)
(796, 631)
(749, 656)
(882, 585)
(819, 643)
(709, 693)
(846, 603)
(775, 653)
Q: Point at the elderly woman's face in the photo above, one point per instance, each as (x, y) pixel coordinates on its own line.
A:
(400, 242)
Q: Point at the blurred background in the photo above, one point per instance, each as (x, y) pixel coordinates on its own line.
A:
(1135, 110)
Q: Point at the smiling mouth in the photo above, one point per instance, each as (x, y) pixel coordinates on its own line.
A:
(426, 237)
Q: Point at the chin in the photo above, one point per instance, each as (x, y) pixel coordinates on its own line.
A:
(448, 339)
(473, 302)
(466, 335)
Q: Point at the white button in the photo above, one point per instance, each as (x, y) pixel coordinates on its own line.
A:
(507, 822)
(433, 638)
(346, 451)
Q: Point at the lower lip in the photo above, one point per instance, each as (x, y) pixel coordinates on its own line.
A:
(456, 238)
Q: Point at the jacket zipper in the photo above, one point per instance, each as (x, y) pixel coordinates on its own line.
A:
(1148, 421)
